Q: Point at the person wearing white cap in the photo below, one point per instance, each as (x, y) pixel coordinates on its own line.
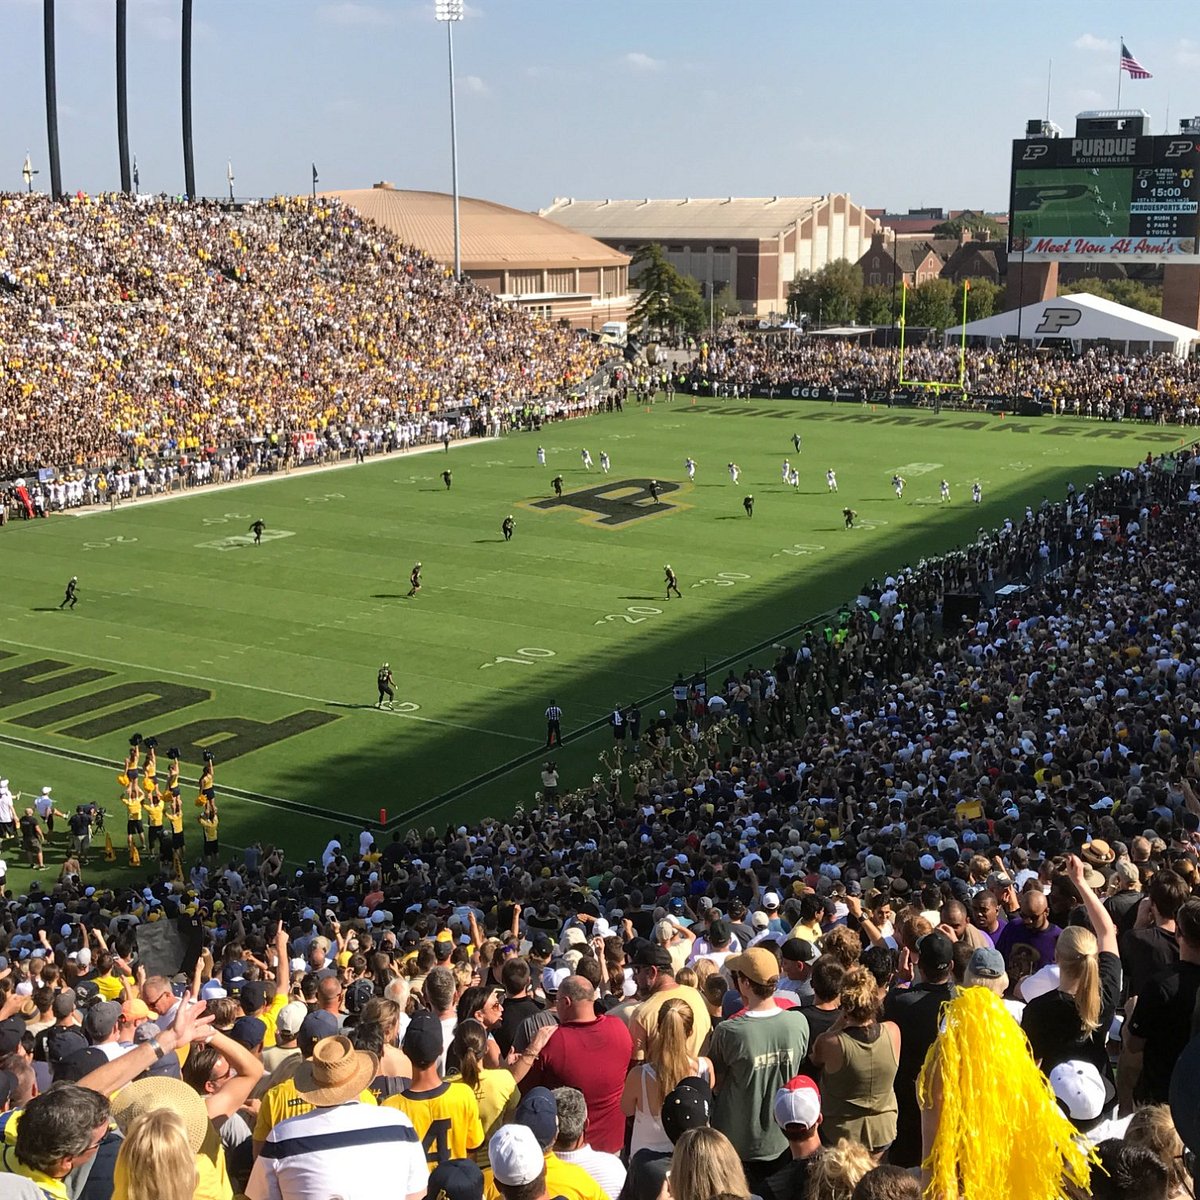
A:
(797, 1111)
(518, 1164)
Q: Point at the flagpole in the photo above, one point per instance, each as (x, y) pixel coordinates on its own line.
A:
(1120, 68)
(1049, 77)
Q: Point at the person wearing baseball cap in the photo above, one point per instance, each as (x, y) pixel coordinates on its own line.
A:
(654, 976)
(456, 1179)
(430, 1102)
(796, 957)
(915, 1010)
(797, 1111)
(753, 1056)
(518, 1165)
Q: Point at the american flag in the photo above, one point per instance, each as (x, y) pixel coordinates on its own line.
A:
(1131, 64)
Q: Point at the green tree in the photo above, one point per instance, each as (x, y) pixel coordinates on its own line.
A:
(982, 299)
(668, 300)
(1133, 293)
(975, 222)
(934, 304)
(831, 294)
(725, 304)
(875, 305)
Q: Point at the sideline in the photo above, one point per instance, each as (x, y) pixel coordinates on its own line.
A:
(269, 477)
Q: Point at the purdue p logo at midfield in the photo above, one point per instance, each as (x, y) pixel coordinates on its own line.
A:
(615, 502)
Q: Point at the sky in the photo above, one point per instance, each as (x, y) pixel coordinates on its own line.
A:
(900, 105)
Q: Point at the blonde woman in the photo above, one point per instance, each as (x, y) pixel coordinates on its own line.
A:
(1072, 1021)
(1153, 1128)
(156, 1161)
(705, 1165)
(835, 1174)
(667, 1062)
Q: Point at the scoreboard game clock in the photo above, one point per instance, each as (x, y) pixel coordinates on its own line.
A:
(1119, 198)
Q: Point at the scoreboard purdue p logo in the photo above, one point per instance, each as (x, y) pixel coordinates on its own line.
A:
(1055, 320)
(616, 503)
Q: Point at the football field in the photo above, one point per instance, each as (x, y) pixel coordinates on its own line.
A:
(267, 654)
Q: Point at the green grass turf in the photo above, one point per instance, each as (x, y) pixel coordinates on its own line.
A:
(300, 624)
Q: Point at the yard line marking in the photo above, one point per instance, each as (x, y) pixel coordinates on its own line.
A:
(92, 760)
(114, 662)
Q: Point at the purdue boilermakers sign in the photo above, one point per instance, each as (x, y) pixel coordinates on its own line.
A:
(1106, 197)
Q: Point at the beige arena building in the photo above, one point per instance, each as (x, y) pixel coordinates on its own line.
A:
(755, 245)
(554, 272)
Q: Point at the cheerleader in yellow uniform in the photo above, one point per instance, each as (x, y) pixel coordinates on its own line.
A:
(209, 823)
(132, 771)
(173, 772)
(153, 805)
(175, 821)
(133, 825)
(150, 763)
(207, 793)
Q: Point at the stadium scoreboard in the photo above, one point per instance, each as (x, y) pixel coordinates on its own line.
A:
(1106, 197)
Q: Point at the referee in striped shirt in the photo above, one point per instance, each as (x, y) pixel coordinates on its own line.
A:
(553, 725)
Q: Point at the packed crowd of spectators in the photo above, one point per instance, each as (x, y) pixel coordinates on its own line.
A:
(915, 904)
(1101, 384)
(135, 330)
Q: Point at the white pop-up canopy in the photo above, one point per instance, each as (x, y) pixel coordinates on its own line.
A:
(1080, 319)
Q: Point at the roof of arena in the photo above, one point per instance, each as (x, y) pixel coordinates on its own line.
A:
(494, 236)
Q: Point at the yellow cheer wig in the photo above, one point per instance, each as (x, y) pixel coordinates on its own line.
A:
(1000, 1131)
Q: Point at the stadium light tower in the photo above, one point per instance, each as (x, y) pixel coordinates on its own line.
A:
(448, 12)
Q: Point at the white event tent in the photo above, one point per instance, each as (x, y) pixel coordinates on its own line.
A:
(1080, 319)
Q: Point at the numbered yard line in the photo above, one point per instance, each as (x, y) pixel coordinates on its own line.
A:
(253, 687)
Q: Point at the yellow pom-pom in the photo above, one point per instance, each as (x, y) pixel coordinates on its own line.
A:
(123, 779)
(980, 1074)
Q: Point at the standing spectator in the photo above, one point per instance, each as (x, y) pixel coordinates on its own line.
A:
(571, 1144)
(706, 1164)
(1031, 928)
(53, 1135)
(797, 1111)
(588, 1052)
(654, 975)
(753, 1056)
(915, 1011)
(156, 1161)
(495, 1089)
(340, 1147)
(668, 1062)
(1151, 945)
(445, 1115)
(1161, 1024)
(1072, 1021)
(858, 1058)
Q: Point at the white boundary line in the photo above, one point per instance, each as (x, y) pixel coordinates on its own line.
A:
(116, 662)
(273, 477)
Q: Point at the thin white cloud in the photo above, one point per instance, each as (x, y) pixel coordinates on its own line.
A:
(1187, 53)
(1098, 45)
(474, 85)
(349, 12)
(1088, 98)
(638, 61)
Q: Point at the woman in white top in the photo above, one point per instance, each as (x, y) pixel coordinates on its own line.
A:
(667, 1062)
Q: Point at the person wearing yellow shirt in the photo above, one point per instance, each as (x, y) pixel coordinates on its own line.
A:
(133, 825)
(444, 1114)
(538, 1114)
(209, 823)
(153, 805)
(283, 1100)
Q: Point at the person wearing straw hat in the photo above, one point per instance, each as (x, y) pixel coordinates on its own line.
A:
(341, 1147)
(155, 1092)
